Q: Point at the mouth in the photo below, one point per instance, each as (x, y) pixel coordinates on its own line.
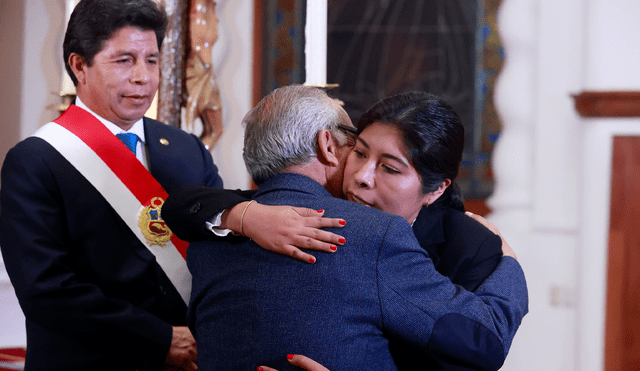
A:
(136, 98)
(357, 200)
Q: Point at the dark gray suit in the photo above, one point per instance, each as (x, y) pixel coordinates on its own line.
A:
(251, 307)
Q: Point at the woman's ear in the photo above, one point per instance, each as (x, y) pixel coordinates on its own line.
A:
(77, 64)
(327, 149)
(432, 197)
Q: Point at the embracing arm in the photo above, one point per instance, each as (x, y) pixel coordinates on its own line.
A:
(187, 209)
(282, 229)
(461, 330)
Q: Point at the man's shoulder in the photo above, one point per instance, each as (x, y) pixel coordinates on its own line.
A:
(156, 126)
(30, 148)
(365, 218)
(301, 191)
(170, 137)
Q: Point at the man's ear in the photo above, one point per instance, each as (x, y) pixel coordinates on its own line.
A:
(327, 149)
(78, 64)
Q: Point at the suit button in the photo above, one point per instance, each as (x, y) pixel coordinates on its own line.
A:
(194, 208)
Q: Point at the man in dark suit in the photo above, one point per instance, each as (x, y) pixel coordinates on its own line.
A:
(251, 307)
(98, 275)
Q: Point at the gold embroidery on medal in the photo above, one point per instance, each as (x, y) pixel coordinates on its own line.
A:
(153, 227)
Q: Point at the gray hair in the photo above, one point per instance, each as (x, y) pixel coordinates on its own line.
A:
(282, 130)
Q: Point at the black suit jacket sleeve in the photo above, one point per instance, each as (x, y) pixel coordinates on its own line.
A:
(187, 209)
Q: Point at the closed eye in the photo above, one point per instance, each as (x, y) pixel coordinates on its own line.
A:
(390, 170)
(358, 153)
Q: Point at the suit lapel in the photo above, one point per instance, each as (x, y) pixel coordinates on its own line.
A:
(157, 154)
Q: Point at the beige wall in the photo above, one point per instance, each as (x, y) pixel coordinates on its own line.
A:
(11, 59)
(12, 25)
(553, 168)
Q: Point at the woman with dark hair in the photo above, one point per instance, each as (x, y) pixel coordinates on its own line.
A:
(405, 162)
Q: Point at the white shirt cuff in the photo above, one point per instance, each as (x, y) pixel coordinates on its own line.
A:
(214, 223)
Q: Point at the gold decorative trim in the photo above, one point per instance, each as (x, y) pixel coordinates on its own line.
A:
(154, 229)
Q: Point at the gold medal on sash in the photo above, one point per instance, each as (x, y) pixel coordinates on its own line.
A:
(154, 229)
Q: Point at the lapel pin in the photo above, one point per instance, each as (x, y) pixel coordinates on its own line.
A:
(164, 141)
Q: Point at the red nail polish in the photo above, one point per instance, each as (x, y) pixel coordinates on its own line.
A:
(259, 368)
(289, 356)
(312, 260)
(333, 247)
(342, 240)
(343, 222)
(320, 211)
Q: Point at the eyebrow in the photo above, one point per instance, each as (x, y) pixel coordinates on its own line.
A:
(386, 155)
(125, 53)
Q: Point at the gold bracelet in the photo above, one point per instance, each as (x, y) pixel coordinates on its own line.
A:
(242, 218)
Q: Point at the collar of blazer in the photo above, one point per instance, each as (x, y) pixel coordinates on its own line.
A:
(428, 227)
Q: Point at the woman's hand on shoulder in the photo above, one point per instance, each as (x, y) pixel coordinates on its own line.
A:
(286, 229)
(506, 249)
(300, 361)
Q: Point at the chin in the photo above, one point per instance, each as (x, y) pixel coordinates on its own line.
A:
(135, 114)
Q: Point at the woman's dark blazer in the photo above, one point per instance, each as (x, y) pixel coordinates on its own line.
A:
(460, 247)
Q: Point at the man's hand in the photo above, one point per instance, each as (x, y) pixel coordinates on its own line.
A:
(300, 361)
(506, 249)
(182, 353)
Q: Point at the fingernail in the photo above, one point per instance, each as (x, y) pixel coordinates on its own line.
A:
(342, 240)
(320, 211)
(259, 368)
(343, 222)
(289, 356)
(312, 260)
(333, 247)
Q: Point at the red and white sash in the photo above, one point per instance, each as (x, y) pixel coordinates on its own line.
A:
(124, 182)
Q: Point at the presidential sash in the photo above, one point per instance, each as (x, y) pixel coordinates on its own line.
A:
(124, 182)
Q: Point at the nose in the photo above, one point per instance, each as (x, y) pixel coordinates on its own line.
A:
(364, 176)
(140, 73)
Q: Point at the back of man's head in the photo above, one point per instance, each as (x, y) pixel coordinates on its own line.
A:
(93, 22)
(282, 130)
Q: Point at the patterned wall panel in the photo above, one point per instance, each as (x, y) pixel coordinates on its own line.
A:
(283, 44)
(379, 47)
